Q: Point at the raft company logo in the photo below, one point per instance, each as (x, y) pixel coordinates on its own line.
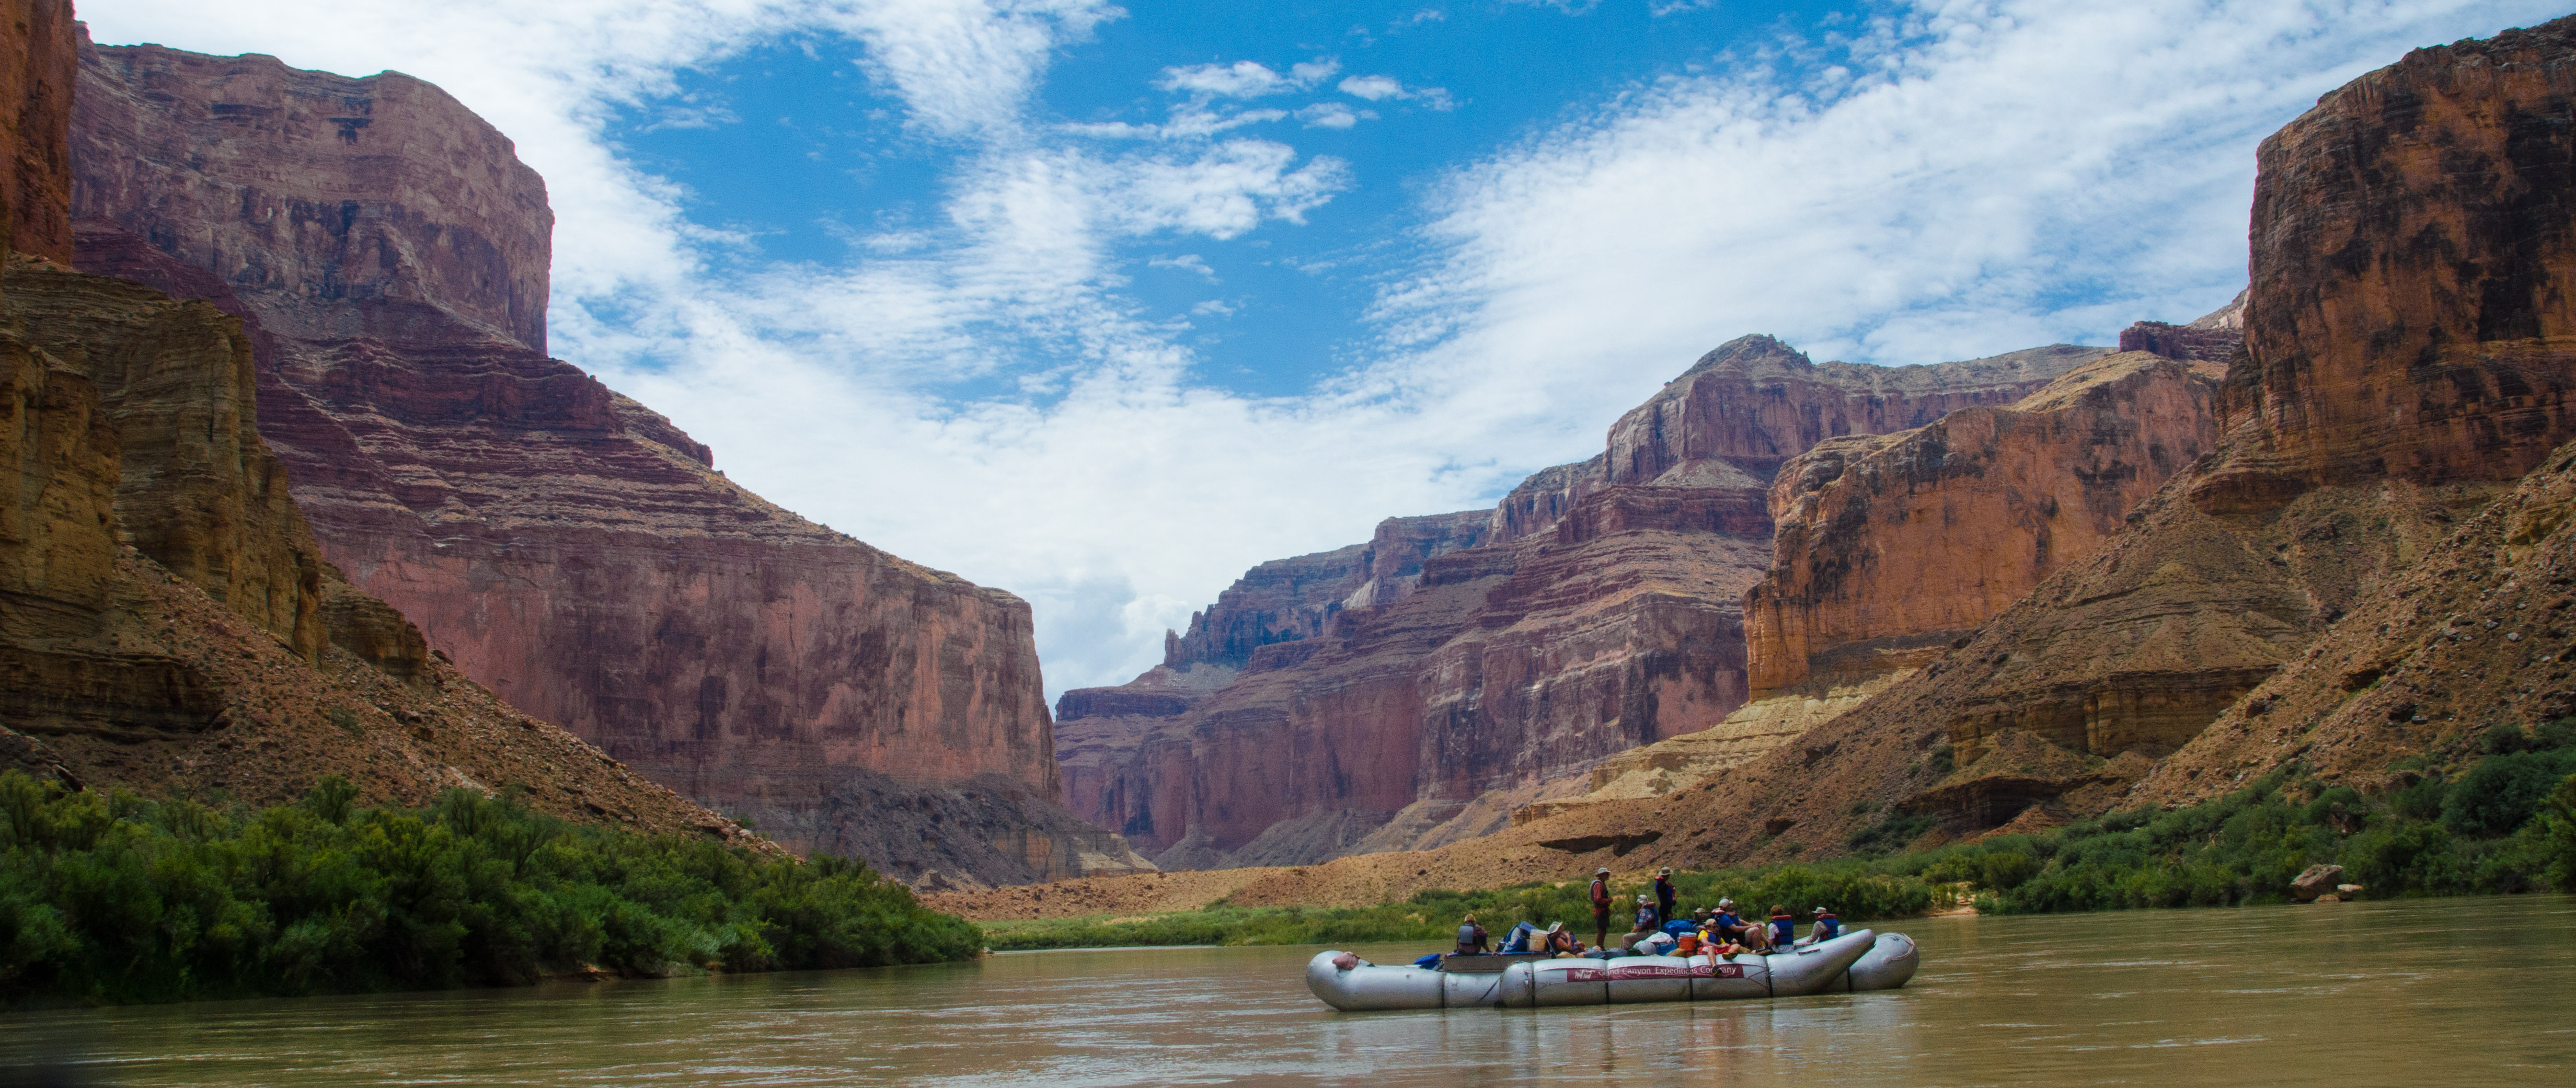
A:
(1623, 974)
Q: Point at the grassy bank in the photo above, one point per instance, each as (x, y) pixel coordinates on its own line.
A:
(2503, 821)
(110, 898)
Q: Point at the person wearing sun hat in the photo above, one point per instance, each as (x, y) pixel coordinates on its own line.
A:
(1663, 895)
(1827, 928)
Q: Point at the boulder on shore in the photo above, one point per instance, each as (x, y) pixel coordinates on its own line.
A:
(2317, 880)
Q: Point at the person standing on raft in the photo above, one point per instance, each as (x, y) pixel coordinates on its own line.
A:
(1600, 906)
(1663, 895)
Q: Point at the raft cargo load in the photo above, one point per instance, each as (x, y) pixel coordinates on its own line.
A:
(1860, 960)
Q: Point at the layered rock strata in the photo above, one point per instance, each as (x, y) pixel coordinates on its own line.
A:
(561, 543)
(1595, 609)
(170, 626)
(1892, 547)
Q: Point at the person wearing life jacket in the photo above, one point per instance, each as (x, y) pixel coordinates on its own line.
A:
(1645, 924)
(1472, 938)
(1601, 906)
(1827, 927)
(1725, 922)
(1559, 943)
(1784, 927)
(1663, 895)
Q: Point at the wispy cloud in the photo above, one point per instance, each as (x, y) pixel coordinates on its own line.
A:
(1245, 79)
(1187, 262)
(1383, 88)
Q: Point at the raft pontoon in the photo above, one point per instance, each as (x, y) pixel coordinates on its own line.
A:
(1861, 960)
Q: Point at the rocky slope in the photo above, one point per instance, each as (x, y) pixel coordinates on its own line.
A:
(1596, 608)
(560, 543)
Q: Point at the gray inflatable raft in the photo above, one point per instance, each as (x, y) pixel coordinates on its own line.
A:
(1860, 960)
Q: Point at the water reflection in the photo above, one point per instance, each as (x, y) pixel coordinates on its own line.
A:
(2429, 993)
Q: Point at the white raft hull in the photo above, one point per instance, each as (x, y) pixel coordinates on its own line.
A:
(1860, 960)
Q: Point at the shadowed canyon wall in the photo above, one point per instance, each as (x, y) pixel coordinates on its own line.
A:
(167, 622)
(559, 542)
(1314, 712)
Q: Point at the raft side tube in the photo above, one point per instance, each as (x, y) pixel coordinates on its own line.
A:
(1637, 979)
(1888, 964)
(1367, 987)
(1469, 990)
(1819, 966)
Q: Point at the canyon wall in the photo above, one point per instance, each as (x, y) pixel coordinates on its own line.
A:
(1892, 547)
(562, 544)
(1596, 608)
(167, 622)
(2406, 361)
(38, 58)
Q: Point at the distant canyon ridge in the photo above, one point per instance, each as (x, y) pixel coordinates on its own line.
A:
(1422, 688)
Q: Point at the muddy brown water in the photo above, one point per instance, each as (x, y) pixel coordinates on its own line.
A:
(2437, 992)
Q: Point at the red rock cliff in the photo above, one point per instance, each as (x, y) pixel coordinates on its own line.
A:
(1890, 547)
(2413, 310)
(38, 59)
(563, 544)
(1598, 610)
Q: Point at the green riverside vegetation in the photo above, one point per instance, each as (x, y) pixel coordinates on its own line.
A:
(2506, 825)
(110, 898)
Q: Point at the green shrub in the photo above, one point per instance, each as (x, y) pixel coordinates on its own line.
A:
(110, 898)
(2502, 791)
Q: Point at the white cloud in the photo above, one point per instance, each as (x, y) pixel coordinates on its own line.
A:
(1187, 262)
(1331, 115)
(1381, 88)
(1245, 79)
(1213, 308)
(1971, 167)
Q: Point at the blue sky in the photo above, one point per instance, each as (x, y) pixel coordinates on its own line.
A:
(1269, 312)
(1103, 304)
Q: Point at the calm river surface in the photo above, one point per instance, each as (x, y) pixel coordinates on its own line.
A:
(2463, 991)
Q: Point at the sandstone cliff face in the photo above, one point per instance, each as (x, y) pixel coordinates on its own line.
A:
(1289, 599)
(2411, 314)
(339, 207)
(197, 490)
(1595, 609)
(38, 56)
(560, 543)
(1892, 547)
(163, 608)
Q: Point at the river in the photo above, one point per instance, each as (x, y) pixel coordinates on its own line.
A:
(2427, 992)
